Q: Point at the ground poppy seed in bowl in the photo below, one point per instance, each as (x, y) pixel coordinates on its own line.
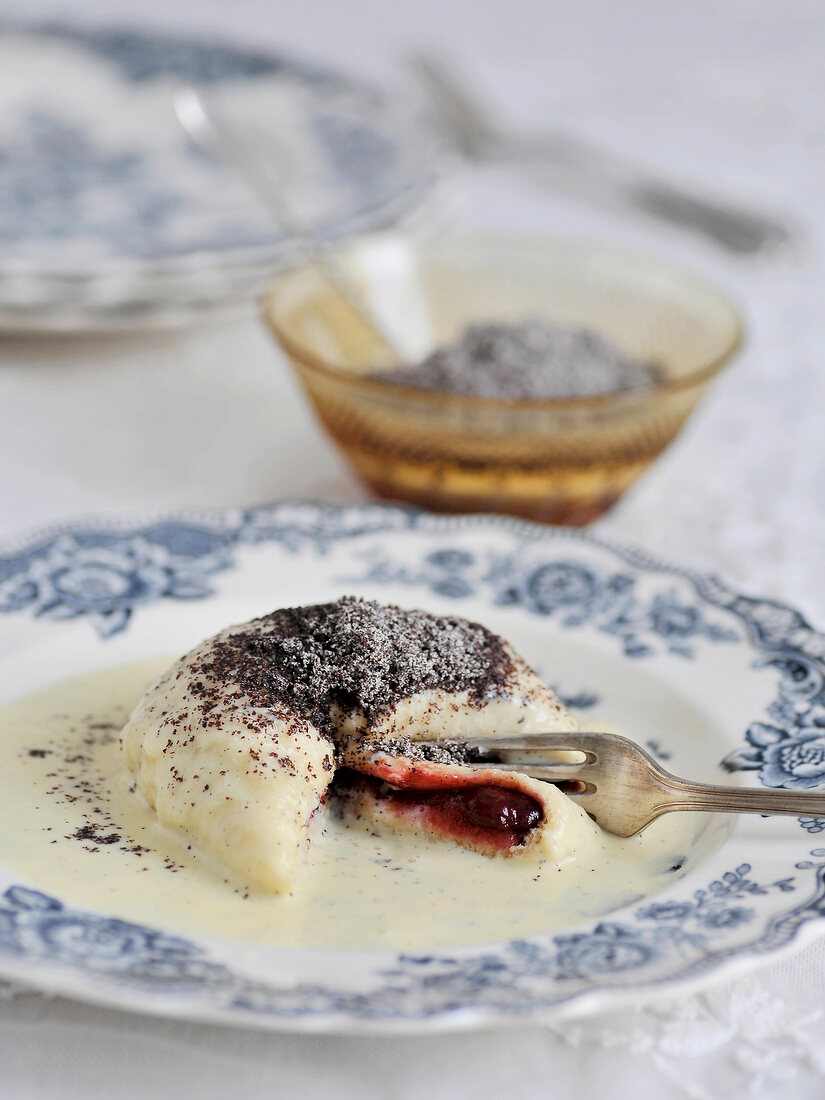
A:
(529, 359)
(543, 380)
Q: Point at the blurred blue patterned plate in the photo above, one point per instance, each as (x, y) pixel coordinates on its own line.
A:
(108, 216)
(715, 682)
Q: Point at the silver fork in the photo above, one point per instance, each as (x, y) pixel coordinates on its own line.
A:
(573, 166)
(619, 785)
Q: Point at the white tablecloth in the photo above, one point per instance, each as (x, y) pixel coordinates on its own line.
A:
(731, 94)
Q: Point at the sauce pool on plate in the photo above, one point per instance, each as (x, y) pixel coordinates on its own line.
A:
(72, 824)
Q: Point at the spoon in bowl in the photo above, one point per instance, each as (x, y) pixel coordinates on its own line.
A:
(204, 124)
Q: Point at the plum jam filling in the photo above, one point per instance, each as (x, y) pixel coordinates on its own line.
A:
(488, 814)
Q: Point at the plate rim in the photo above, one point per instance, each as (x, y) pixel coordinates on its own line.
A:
(584, 1002)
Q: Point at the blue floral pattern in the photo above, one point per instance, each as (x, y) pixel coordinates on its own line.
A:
(74, 194)
(40, 927)
(104, 579)
(140, 56)
(105, 574)
(789, 749)
(576, 594)
(52, 147)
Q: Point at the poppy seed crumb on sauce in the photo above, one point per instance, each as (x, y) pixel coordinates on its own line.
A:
(93, 833)
(354, 653)
(530, 359)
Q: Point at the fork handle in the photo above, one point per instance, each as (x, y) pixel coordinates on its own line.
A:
(568, 164)
(680, 795)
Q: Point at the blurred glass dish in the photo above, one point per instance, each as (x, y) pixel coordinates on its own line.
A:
(561, 460)
(111, 219)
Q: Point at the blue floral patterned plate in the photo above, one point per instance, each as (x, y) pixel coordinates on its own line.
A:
(109, 216)
(716, 683)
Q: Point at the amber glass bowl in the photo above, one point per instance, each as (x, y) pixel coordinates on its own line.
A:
(561, 460)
